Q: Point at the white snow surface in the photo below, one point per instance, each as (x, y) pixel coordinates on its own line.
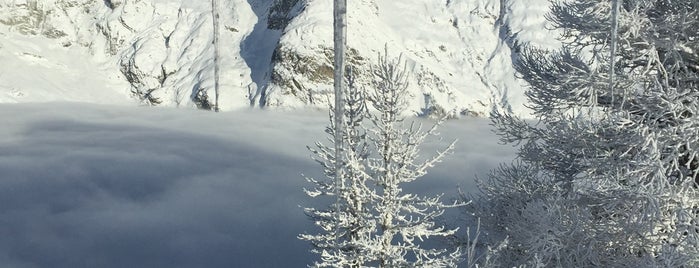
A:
(34, 70)
(149, 45)
(86, 185)
(457, 50)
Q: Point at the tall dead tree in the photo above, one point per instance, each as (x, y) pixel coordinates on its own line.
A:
(215, 18)
(340, 41)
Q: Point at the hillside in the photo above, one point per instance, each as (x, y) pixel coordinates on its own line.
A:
(275, 53)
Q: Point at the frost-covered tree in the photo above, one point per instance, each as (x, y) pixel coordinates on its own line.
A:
(344, 224)
(372, 222)
(607, 176)
(344, 227)
(403, 220)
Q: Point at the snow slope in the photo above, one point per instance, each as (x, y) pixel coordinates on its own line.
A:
(110, 186)
(458, 50)
(160, 50)
(33, 70)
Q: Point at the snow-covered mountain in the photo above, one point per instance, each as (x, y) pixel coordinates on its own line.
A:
(274, 53)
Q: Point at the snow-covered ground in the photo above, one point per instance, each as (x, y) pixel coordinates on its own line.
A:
(85, 185)
(33, 70)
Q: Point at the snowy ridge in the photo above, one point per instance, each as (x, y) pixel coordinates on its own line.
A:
(458, 50)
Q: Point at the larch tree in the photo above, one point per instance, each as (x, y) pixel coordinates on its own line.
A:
(402, 220)
(345, 224)
(371, 221)
(607, 176)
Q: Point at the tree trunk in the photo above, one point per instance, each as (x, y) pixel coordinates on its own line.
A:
(215, 16)
(339, 38)
(613, 45)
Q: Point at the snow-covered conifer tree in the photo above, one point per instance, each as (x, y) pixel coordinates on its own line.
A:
(403, 220)
(373, 222)
(608, 175)
(345, 224)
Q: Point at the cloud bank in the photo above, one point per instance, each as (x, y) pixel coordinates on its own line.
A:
(94, 186)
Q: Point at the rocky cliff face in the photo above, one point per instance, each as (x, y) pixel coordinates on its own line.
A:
(65, 21)
(277, 53)
(459, 52)
(162, 48)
